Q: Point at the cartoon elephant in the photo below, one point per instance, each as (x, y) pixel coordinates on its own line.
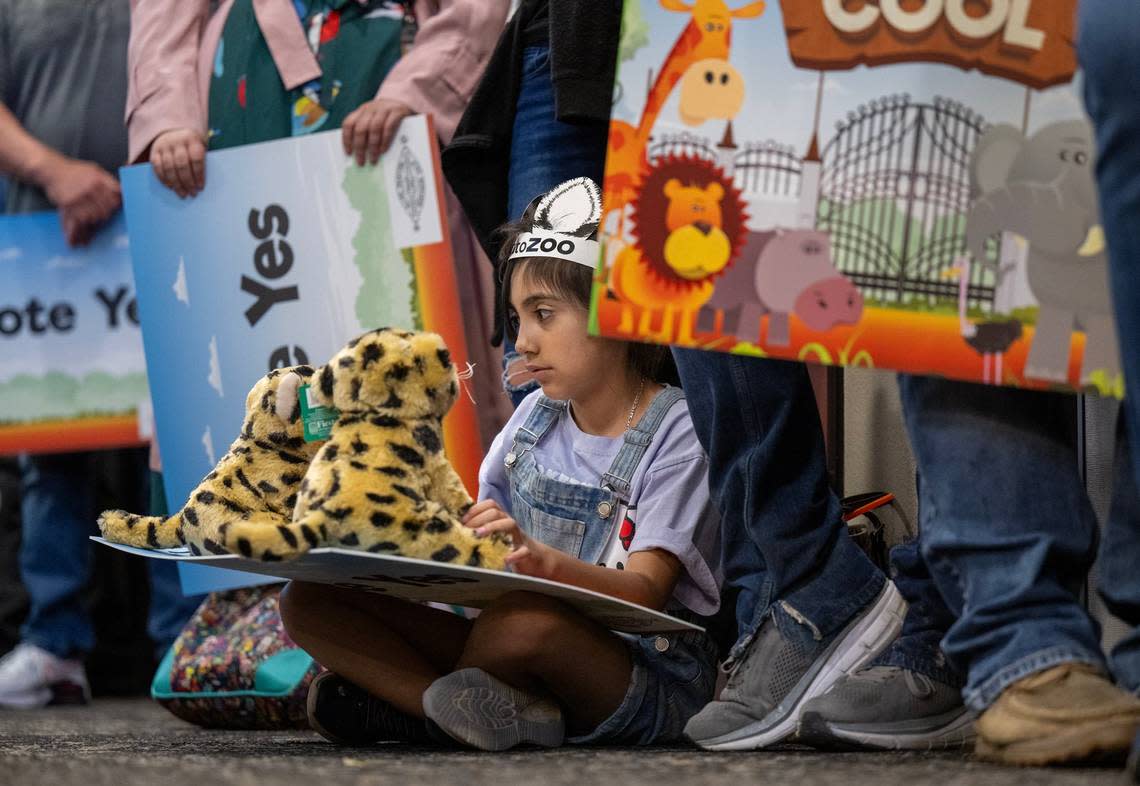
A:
(1042, 188)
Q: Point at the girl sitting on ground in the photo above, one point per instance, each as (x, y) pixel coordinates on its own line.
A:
(599, 481)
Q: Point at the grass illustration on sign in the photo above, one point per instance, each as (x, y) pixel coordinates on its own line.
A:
(387, 293)
(56, 395)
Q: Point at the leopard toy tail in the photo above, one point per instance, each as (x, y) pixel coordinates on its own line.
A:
(145, 532)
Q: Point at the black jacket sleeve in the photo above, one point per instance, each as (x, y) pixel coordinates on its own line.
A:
(583, 57)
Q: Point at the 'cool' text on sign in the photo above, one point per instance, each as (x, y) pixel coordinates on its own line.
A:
(1003, 15)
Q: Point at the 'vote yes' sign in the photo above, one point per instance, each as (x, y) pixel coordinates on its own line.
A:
(73, 375)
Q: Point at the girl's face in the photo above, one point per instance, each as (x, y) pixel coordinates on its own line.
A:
(552, 336)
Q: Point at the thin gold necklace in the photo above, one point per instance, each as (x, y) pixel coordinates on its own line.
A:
(636, 401)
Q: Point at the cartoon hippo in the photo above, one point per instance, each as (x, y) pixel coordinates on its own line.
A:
(788, 271)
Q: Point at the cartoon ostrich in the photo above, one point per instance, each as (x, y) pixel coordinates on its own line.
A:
(989, 338)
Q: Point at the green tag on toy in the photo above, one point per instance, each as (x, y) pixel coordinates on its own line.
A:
(318, 420)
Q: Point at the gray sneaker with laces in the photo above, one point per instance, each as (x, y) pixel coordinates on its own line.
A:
(479, 710)
(766, 689)
(887, 708)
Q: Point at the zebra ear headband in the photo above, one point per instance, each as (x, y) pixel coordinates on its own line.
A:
(561, 213)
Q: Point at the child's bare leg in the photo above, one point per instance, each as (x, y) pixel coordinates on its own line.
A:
(392, 648)
(540, 644)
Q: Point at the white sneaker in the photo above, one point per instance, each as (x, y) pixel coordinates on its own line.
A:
(31, 677)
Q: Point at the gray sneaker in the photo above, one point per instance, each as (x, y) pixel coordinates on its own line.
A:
(761, 702)
(474, 708)
(887, 708)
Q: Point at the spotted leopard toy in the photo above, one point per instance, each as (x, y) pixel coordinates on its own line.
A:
(251, 491)
(382, 482)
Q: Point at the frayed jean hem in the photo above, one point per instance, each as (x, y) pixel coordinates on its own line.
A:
(981, 697)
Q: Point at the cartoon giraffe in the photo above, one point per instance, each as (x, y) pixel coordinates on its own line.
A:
(707, 35)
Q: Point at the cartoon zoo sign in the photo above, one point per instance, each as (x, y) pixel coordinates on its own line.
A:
(1030, 41)
(902, 184)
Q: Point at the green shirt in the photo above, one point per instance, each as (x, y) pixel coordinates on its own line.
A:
(355, 44)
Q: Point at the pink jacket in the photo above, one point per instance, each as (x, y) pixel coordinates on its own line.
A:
(173, 43)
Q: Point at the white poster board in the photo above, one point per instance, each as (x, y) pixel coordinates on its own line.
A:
(426, 581)
(290, 251)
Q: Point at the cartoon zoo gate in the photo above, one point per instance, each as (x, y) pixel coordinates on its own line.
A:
(894, 193)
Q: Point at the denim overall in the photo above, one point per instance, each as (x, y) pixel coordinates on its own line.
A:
(673, 674)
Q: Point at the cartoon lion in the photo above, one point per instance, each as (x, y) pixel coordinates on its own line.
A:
(689, 225)
(696, 245)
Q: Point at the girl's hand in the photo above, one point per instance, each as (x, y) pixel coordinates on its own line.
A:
(482, 513)
(533, 558)
(179, 160)
(529, 556)
(369, 129)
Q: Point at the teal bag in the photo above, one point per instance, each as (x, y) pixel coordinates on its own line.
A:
(234, 667)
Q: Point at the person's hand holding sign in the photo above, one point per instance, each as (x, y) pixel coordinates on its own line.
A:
(179, 160)
(369, 129)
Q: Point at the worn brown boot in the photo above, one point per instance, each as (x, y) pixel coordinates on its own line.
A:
(1067, 713)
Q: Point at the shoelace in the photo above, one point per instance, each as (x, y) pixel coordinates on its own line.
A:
(729, 666)
(880, 674)
(919, 685)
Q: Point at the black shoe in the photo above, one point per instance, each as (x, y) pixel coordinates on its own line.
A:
(347, 715)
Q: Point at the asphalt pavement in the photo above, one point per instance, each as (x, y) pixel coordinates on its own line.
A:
(129, 742)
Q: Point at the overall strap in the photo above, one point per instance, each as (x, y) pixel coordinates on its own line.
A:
(544, 415)
(637, 440)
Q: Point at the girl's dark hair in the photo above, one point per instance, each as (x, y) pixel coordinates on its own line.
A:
(573, 283)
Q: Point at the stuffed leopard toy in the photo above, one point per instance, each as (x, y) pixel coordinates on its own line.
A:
(382, 482)
(252, 489)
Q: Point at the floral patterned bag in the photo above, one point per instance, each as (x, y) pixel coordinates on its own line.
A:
(234, 666)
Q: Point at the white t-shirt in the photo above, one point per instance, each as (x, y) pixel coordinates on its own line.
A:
(669, 505)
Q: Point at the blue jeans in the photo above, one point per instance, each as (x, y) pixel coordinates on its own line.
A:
(1008, 532)
(918, 647)
(782, 534)
(544, 153)
(58, 508)
(665, 690)
(1119, 557)
(1109, 52)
